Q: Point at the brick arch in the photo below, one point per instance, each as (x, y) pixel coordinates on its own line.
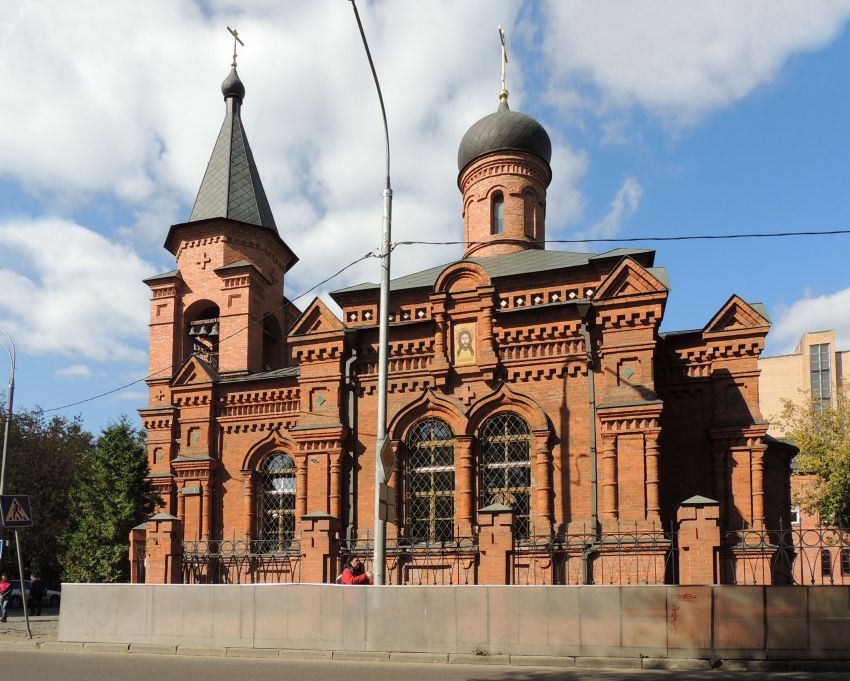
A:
(462, 276)
(198, 306)
(272, 442)
(505, 399)
(428, 404)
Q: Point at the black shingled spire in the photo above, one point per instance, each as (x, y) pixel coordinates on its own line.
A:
(231, 187)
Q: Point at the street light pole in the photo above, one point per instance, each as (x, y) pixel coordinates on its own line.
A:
(380, 532)
(11, 354)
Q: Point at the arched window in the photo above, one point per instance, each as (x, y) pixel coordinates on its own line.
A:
(505, 467)
(497, 213)
(430, 482)
(276, 502)
(529, 202)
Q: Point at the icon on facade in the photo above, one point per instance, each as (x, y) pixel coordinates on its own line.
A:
(464, 344)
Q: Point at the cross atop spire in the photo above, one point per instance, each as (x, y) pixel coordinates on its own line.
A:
(237, 39)
(503, 95)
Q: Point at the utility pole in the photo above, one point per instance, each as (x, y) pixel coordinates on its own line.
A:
(380, 530)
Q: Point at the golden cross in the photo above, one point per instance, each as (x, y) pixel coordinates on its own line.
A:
(236, 39)
(503, 95)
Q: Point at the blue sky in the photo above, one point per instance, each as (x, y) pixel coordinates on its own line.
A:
(667, 118)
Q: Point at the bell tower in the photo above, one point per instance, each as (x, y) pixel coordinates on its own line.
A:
(224, 302)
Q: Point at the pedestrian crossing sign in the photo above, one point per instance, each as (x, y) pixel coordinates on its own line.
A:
(15, 511)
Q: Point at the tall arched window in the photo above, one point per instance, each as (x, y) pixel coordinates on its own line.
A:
(276, 502)
(430, 481)
(505, 467)
(529, 202)
(497, 213)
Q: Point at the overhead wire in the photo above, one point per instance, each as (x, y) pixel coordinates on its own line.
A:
(289, 301)
(394, 245)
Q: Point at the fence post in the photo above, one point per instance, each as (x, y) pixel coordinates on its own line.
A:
(495, 544)
(320, 547)
(699, 540)
(164, 550)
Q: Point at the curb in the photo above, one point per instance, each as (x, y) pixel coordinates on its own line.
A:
(399, 657)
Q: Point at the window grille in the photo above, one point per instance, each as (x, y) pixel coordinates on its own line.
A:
(430, 482)
(505, 467)
(845, 562)
(276, 503)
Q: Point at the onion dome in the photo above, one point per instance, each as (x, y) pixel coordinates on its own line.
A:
(504, 130)
(232, 86)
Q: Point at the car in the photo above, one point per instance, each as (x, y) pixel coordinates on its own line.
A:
(51, 597)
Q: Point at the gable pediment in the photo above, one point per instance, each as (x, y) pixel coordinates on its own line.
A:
(628, 279)
(317, 318)
(735, 315)
(194, 371)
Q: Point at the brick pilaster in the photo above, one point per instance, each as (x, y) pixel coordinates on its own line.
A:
(699, 540)
(164, 550)
(319, 547)
(495, 544)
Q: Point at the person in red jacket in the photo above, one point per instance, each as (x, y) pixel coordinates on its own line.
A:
(355, 573)
(5, 592)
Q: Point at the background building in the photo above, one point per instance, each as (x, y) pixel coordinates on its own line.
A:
(816, 370)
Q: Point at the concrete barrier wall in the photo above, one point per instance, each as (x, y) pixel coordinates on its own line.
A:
(729, 622)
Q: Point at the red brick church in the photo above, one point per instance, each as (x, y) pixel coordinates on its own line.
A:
(544, 429)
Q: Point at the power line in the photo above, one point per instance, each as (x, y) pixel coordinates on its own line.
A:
(686, 237)
(370, 254)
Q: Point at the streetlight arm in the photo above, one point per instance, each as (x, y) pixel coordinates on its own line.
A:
(377, 87)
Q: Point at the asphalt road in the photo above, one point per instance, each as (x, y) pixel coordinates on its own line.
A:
(35, 665)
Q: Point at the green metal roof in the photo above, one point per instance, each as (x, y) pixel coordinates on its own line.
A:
(231, 187)
(508, 265)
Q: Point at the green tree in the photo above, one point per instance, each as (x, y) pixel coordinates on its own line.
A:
(112, 495)
(822, 432)
(43, 458)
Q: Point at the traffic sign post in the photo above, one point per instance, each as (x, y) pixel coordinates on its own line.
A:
(15, 513)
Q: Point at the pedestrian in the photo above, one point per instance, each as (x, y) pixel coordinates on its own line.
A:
(355, 573)
(5, 592)
(36, 594)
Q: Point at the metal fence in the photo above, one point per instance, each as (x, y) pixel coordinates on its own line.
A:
(624, 556)
(239, 561)
(452, 561)
(803, 556)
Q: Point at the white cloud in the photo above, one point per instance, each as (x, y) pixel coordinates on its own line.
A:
(624, 204)
(679, 59)
(829, 311)
(72, 292)
(74, 372)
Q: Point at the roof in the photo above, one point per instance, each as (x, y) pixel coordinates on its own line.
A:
(161, 277)
(504, 130)
(231, 187)
(507, 265)
(761, 308)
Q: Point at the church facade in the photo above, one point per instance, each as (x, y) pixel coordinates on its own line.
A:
(543, 428)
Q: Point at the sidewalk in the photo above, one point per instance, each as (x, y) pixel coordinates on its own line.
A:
(14, 629)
